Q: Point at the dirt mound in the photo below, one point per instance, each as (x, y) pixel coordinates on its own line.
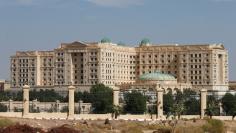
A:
(21, 129)
(63, 129)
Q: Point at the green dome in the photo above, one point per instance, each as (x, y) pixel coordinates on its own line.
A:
(157, 76)
(145, 41)
(105, 40)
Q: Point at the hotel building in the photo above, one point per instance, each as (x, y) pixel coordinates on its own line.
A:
(89, 63)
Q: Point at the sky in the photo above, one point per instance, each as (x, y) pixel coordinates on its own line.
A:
(44, 24)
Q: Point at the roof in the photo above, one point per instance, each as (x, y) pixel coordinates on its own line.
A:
(145, 42)
(157, 76)
(105, 40)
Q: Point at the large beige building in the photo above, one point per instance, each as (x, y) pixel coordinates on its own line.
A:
(86, 64)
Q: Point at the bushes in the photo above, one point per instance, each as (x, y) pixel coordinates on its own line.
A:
(214, 126)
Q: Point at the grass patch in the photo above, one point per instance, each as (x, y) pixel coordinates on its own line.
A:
(214, 126)
(5, 122)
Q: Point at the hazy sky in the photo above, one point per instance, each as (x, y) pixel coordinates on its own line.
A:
(44, 24)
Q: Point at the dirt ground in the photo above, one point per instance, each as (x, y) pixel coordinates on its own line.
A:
(119, 126)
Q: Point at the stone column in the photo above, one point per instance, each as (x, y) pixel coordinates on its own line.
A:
(116, 92)
(25, 100)
(160, 103)
(203, 102)
(58, 105)
(11, 106)
(221, 108)
(71, 105)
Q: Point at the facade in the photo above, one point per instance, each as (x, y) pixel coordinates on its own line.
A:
(84, 64)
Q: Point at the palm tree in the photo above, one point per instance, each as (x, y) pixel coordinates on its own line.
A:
(116, 111)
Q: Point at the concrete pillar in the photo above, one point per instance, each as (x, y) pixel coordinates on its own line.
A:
(25, 100)
(203, 102)
(116, 92)
(160, 103)
(71, 105)
(221, 108)
(58, 105)
(11, 109)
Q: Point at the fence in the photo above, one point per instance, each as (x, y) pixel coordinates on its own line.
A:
(156, 103)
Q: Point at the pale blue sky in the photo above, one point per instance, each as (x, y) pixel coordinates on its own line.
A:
(44, 24)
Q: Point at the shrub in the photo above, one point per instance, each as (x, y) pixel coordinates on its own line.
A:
(214, 126)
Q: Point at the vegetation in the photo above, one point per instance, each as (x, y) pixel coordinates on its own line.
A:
(101, 98)
(214, 126)
(15, 96)
(5, 122)
(116, 111)
(211, 110)
(177, 109)
(229, 104)
(168, 101)
(135, 103)
(45, 96)
(186, 102)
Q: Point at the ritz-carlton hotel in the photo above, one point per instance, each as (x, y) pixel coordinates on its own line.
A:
(84, 64)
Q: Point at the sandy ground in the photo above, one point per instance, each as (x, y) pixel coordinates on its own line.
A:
(115, 125)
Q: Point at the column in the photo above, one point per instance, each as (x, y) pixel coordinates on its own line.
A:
(58, 105)
(159, 102)
(25, 100)
(71, 105)
(116, 92)
(221, 109)
(11, 109)
(203, 102)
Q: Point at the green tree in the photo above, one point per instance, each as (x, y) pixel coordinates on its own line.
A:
(101, 97)
(45, 95)
(168, 101)
(211, 110)
(229, 103)
(135, 103)
(177, 109)
(192, 106)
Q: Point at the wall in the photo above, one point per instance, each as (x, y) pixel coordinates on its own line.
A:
(45, 115)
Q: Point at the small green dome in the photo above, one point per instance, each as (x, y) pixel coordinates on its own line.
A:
(105, 40)
(145, 41)
(157, 76)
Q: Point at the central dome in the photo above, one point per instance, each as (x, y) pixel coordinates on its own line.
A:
(157, 76)
(105, 40)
